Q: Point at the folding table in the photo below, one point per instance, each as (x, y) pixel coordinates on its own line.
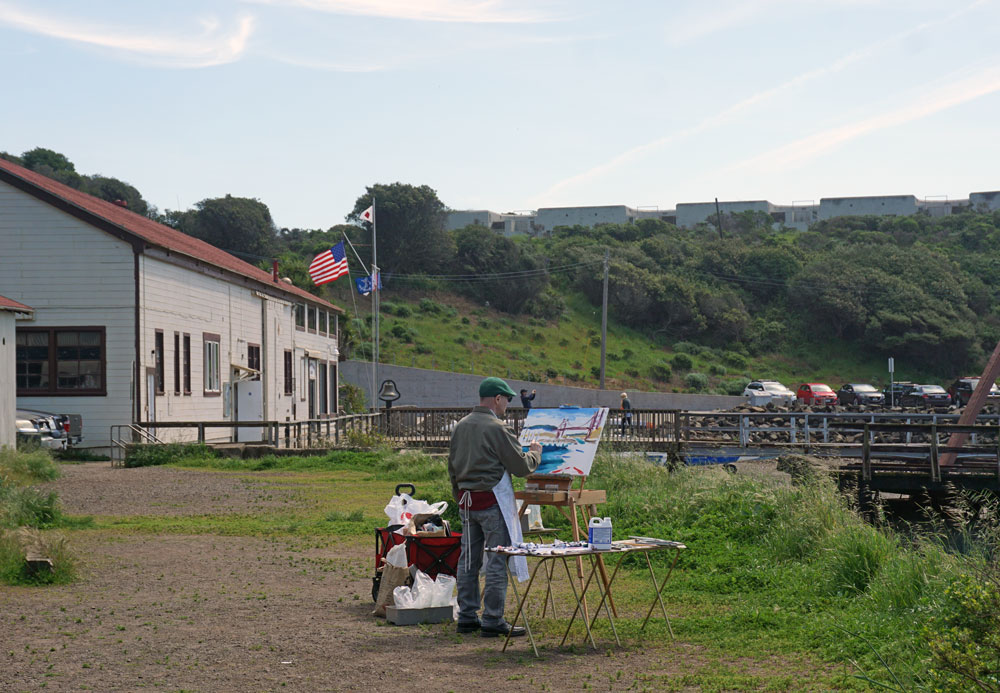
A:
(621, 548)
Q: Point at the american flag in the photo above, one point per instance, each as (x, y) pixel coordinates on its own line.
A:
(329, 265)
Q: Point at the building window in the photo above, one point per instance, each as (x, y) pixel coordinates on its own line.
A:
(187, 364)
(312, 318)
(161, 376)
(289, 381)
(322, 322)
(333, 325)
(321, 386)
(334, 395)
(300, 316)
(253, 359)
(177, 363)
(60, 361)
(212, 365)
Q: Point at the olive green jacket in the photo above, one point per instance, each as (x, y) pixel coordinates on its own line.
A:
(482, 447)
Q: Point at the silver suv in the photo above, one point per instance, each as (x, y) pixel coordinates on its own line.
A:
(762, 392)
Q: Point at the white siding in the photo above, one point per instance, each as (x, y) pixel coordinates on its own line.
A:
(7, 399)
(72, 274)
(175, 298)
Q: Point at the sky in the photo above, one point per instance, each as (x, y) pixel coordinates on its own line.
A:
(508, 105)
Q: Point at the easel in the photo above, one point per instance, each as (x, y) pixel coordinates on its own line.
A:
(567, 501)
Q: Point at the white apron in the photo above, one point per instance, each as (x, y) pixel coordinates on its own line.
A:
(504, 492)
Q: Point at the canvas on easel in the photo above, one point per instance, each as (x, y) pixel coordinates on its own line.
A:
(568, 436)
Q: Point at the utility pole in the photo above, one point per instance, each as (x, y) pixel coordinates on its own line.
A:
(718, 218)
(604, 318)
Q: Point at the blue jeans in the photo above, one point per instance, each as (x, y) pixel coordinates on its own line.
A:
(484, 528)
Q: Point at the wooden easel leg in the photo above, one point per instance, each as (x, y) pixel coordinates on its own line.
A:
(579, 560)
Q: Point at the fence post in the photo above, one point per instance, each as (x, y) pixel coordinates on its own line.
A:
(866, 455)
(935, 467)
(792, 431)
(201, 433)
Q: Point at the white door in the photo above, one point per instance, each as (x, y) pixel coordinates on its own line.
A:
(249, 407)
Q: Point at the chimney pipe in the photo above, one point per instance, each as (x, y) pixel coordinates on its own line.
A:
(274, 269)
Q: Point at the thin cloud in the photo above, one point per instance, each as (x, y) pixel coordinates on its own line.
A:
(210, 47)
(948, 93)
(483, 12)
(730, 113)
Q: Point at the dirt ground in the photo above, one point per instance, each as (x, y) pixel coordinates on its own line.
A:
(219, 613)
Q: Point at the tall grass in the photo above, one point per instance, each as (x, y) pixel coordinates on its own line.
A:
(27, 466)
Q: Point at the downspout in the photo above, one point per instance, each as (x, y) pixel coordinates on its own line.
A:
(137, 389)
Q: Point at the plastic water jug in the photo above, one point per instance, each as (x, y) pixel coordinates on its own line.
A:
(599, 533)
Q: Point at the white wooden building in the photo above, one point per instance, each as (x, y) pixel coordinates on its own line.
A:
(136, 321)
(9, 312)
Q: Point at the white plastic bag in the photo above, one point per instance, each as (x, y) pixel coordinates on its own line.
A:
(402, 597)
(423, 590)
(444, 586)
(397, 556)
(402, 508)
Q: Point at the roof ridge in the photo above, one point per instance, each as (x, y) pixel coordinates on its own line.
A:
(152, 232)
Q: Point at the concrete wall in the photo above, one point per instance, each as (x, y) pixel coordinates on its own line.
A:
(691, 214)
(426, 388)
(461, 218)
(547, 218)
(8, 402)
(882, 205)
(985, 200)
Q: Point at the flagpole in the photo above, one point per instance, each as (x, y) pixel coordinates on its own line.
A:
(375, 326)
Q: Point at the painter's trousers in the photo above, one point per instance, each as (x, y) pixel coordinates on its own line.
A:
(484, 528)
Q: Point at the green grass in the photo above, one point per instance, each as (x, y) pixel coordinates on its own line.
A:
(783, 574)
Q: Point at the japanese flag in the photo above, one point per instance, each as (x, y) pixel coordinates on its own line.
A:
(369, 214)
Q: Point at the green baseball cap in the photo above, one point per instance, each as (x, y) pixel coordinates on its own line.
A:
(491, 387)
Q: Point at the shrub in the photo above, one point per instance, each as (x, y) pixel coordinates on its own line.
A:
(682, 362)
(964, 637)
(27, 466)
(735, 386)
(404, 333)
(563, 342)
(632, 372)
(142, 455)
(551, 373)
(388, 307)
(595, 371)
(687, 348)
(465, 320)
(595, 341)
(427, 305)
(547, 305)
(734, 359)
(696, 381)
(627, 354)
(421, 349)
(24, 506)
(460, 340)
(717, 369)
(661, 372)
(576, 364)
(403, 310)
(352, 398)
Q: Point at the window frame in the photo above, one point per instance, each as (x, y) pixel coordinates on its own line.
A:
(251, 349)
(299, 316)
(311, 319)
(177, 363)
(206, 339)
(53, 390)
(186, 364)
(289, 373)
(159, 364)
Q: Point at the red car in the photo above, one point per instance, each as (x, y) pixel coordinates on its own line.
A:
(816, 393)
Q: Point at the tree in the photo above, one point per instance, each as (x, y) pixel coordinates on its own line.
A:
(482, 251)
(410, 223)
(113, 190)
(237, 224)
(39, 157)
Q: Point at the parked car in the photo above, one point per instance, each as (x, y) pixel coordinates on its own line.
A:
(926, 396)
(894, 394)
(816, 393)
(961, 390)
(53, 431)
(859, 393)
(761, 392)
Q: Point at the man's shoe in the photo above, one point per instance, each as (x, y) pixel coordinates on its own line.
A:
(470, 627)
(497, 631)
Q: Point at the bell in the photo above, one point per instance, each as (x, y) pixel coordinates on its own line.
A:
(388, 392)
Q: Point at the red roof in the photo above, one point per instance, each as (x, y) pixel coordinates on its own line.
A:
(10, 304)
(151, 232)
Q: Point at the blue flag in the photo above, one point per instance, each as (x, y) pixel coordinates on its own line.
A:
(364, 284)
